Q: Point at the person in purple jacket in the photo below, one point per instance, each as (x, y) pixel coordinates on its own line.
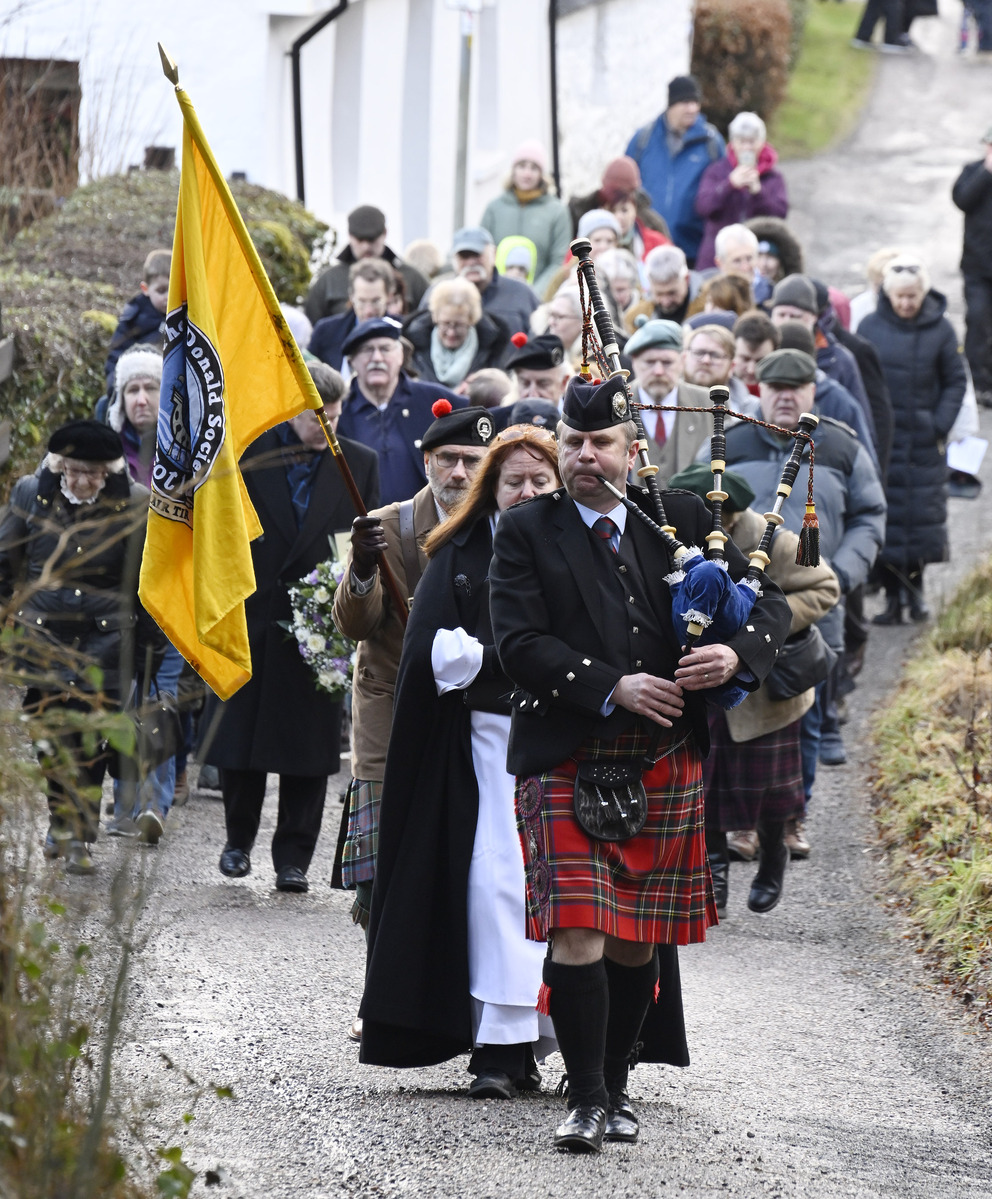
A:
(744, 184)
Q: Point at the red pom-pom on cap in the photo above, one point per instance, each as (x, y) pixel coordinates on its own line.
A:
(519, 339)
(441, 407)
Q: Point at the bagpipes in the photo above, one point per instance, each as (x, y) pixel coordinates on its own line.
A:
(705, 599)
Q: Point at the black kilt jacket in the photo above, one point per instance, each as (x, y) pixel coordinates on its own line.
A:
(548, 620)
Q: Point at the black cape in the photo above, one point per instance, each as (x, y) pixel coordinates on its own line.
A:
(416, 1010)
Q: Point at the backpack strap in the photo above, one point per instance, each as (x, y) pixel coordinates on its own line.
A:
(712, 142)
(408, 544)
(643, 137)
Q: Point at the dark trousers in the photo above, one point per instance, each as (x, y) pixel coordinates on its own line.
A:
(981, 10)
(73, 774)
(896, 579)
(301, 809)
(876, 10)
(978, 326)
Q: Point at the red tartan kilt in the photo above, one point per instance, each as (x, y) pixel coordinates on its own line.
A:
(654, 888)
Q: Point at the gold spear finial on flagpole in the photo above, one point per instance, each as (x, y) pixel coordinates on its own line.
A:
(169, 66)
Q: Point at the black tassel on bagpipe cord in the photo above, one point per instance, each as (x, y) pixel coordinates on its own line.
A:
(808, 553)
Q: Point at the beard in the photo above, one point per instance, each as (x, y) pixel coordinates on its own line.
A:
(657, 389)
(449, 495)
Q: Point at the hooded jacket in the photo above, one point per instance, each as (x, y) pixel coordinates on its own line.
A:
(925, 373)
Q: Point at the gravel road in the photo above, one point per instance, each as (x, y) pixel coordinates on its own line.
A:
(825, 1061)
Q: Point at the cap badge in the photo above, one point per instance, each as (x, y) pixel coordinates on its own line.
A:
(620, 405)
(484, 427)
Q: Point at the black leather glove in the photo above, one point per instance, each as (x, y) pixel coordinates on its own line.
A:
(367, 542)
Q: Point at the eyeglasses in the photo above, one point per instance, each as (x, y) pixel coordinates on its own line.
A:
(448, 461)
(909, 268)
(453, 326)
(709, 355)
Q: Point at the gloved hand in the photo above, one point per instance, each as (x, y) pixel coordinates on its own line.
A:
(367, 542)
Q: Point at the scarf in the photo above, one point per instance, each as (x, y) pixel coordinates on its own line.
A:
(451, 366)
(527, 197)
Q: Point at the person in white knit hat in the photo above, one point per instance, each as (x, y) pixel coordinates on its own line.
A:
(141, 805)
(133, 411)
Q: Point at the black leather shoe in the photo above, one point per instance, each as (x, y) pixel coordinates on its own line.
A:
(291, 878)
(583, 1131)
(892, 613)
(531, 1081)
(492, 1084)
(621, 1120)
(720, 869)
(235, 863)
(918, 611)
(766, 889)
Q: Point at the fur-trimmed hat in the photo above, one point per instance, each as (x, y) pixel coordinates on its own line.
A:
(139, 362)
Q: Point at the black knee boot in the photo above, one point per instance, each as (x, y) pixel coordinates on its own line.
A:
(773, 857)
(719, 856)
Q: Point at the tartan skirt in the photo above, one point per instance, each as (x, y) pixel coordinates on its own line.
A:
(358, 855)
(743, 780)
(654, 888)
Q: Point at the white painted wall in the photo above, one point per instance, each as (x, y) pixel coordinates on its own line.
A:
(380, 90)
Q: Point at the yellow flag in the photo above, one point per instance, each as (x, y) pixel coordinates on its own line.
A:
(231, 371)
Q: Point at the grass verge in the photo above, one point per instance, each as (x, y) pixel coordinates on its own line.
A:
(933, 794)
(828, 88)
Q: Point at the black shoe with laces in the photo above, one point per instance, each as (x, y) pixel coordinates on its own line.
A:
(583, 1130)
(621, 1120)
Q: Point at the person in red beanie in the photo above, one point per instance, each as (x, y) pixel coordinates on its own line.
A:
(621, 193)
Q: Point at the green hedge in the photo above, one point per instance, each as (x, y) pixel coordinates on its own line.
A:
(65, 279)
(741, 52)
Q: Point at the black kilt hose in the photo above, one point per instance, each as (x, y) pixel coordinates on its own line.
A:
(654, 888)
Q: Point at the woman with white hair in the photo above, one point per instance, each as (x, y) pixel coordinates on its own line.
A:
(925, 372)
(744, 184)
(619, 268)
(133, 411)
(454, 338)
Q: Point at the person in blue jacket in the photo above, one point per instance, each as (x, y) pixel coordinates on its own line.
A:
(672, 152)
(386, 409)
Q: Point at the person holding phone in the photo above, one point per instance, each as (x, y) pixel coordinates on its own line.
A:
(745, 184)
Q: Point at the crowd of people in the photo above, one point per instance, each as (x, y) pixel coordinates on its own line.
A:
(536, 760)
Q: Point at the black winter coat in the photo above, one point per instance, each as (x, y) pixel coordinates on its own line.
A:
(89, 614)
(278, 721)
(972, 193)
(926, 377)
(494, 341)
